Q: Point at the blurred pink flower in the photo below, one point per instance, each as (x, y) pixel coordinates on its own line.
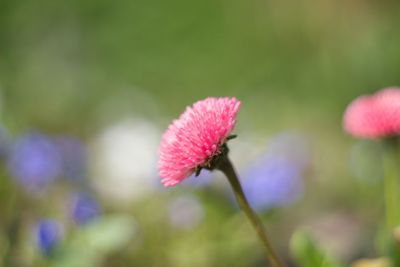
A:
(191, 141)
(374, 116)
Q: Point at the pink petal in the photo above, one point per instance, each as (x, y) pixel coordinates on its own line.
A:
(374, 116)
(194, 138)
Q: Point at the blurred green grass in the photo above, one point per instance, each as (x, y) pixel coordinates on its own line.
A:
(310, 55)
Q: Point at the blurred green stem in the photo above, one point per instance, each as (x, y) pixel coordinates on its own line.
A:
(391, 165)
(12, 228)
(226, 167)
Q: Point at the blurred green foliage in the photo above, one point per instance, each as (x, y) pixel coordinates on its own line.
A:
(308, 254)
(310, 56)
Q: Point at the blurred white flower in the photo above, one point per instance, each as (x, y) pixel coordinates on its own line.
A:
(123, 160)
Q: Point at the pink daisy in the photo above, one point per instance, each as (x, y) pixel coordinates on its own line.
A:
(193, 140)
(374, 116)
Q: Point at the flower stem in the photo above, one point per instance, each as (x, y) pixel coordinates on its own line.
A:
(391, 165)
(226, 167)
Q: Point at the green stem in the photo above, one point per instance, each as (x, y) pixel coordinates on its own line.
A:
(226, 167)
(13, 226)
(391, 165)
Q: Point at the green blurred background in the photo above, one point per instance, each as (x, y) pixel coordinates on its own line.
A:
(80, 67)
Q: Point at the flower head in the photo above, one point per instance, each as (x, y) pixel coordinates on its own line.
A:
(275, 179)
(273, 182)
(374, 116)
(35, 161)
(111, 156)
(48, 235)
(192, 141)
(84, 208)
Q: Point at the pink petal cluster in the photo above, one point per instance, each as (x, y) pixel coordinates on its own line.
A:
(374, 116)
(193, 139)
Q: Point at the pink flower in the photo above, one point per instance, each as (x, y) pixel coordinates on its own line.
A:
(195, 138)
(374, 116)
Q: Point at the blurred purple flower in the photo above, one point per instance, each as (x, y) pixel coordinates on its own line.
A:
(48, 234)
(185, 212)
(276, 179)
(84, 208)
(273, 182)
(34, 161)
(74, 157)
